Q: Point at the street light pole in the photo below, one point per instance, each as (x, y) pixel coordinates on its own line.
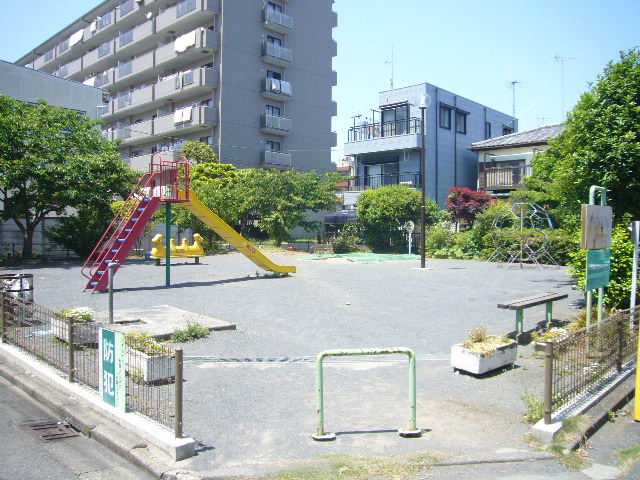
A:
(425, 101)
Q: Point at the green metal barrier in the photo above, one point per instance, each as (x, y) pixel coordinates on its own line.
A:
(412, 431)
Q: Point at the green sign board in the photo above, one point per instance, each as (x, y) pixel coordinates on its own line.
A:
(112, 368)
(598, 269)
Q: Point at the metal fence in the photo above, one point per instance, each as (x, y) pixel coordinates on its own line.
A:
(153, 370)
(583, 362)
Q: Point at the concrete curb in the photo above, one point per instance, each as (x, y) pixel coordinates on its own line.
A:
(79, 413)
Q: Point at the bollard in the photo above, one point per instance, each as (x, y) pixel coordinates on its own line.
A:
(412, 431)
(70, 320)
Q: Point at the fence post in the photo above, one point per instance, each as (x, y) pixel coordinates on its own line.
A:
(3, 338)
(70, 344)
(178, 401)
(548, 382)
(621, 340)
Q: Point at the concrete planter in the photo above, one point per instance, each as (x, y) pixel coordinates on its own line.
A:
(478, 363)
(149, 368)
(85, 333)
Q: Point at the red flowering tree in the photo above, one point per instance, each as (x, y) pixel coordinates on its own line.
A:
(465, 204)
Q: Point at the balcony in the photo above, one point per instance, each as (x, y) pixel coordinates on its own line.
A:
(182, 52)
(43, 60)
(104, 79)
(504, 178)
(74, 69)
(101, 57)
(142, 162)
(136, 40)
(186, 16)
(275, 125)
(271, 158)
(276, 89)
(380, 137)
(187, 84)
(371, 182)
(132, 102)
(134, 133)
(185, 120)
(130, 71)
(125, 13)
(99, 31)
(276, 55)
(277, 21)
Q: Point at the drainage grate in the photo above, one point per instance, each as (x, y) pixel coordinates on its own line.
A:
(50, 430)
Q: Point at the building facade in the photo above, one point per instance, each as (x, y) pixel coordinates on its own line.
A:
(251, 78)
(386, 147)
(504, 162)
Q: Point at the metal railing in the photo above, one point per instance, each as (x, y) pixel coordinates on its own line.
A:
(583, 362)
(153, 370)
(387, 129)
(504, 177)
(368, 182)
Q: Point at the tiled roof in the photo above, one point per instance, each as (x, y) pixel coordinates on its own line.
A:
(536, 136)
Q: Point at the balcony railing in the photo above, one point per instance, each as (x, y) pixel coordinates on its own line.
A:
(276, 55)
(386, 129)
(277, 21)
(269, 157)
(504, 177)
(370, 182)
(276, 89)
(275, 125)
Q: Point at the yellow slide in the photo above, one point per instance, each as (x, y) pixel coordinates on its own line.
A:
(222, 228)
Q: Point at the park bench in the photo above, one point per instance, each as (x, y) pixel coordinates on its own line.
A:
(521, 304)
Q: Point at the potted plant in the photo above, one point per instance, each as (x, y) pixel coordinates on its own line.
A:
(540, 338)
(148, 360)
(84, 334)
(481, 353)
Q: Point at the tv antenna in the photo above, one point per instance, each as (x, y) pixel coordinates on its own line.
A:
(512, 85)
(562, 60)
(541, 120)
(391, 62)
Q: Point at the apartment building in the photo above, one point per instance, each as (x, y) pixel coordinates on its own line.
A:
(252, 78)
(386, 146)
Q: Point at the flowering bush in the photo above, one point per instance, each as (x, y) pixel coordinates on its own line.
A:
(80, 314)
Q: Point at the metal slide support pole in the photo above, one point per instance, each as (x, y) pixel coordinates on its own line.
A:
(167, 241)
(111, 266)
(412, 431)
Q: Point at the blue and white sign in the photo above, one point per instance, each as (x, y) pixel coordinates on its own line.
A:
(598, 269)
(112, 368)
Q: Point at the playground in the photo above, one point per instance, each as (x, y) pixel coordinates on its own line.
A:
(250, 392)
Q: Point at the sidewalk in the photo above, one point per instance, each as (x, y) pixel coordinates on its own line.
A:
(250, 392)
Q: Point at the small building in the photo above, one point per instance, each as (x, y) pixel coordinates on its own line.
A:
(504, 162)
(386, 147)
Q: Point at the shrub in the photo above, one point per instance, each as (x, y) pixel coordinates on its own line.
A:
(348, 240)
(193, 331)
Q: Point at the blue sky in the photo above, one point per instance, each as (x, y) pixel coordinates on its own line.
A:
(468, 47)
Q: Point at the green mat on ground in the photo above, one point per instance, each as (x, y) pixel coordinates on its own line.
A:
(364, 257)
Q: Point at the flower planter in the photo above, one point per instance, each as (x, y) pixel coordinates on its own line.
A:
(478, 363)
(149, 368)
(85, 333)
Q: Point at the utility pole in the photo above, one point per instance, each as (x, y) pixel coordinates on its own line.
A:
(562, 60)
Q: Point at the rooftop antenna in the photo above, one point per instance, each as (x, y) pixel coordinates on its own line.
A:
(541, 120)
(391, 62)
(561, 60)
(512, 85)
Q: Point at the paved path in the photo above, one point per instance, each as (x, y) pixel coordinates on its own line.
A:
(250, 393)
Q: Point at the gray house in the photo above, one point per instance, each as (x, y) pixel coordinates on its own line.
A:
(386, 147)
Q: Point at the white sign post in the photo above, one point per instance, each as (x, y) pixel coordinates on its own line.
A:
(409, 226)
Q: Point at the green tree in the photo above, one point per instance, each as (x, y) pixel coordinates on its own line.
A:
(199, 153)
(52, 159)
(382, 213)
(600, 145)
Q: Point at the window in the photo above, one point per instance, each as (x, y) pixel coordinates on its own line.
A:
(104, 49)
(104, 20)
(126, 7)
(63, 46)
(271, 110)
(125, 68)
(206, 140)
(124, 99)
(274, 75)
(274, 8)
(187, 78)
(461, 121)
(126, 37)
(395, 120)
(506, 130)
(487, 130)
(445, 116)
(272, 146)
(185, 7)
(274, 41)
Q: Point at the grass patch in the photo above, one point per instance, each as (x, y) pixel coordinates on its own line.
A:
(534, 406)
(332, 467)
(193, 331)
(628, 458)
(572, 431)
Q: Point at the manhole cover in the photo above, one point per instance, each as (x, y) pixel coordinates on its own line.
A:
(49, 430)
